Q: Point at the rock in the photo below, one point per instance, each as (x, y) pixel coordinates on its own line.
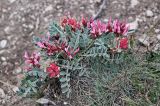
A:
(158, 37)
(134, 3)
(157, 30)
(45, 101)
(3, 43)
(15, 89)
(48, 8)
(98, 1)
(117, 14)
(3, 101)
(144, 40)
(156, 48)
(149, 13)
(133, 25)
(30, 26)
(2, 94)
(11, 1)
(65, 103)
(18, 70)
(3, 58)
(4, 63)
(7, 30)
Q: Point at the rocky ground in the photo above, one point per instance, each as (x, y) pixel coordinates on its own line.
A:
(21, 19)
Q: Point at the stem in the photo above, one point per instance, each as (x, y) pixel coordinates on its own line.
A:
(89, 46)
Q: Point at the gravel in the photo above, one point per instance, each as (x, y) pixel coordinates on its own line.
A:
(21, 19)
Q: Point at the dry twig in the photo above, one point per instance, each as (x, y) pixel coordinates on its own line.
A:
(7, 84)
(100, 10)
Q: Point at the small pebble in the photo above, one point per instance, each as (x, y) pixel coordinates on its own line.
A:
(11, 1)
(15, 89)
(49, 8)
(134, 3)
(18, 70)
(149, 13)
(157, 30)
(3, 58)
(158, 37)
(3, 43)
(144, 40)
(2, 94)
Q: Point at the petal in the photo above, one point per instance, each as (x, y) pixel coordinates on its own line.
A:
(49, 70)
(40, 44)
(51, 75)
(26, 56)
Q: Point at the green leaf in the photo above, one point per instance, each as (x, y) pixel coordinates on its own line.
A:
(82, 72)
(36, 39)
(55, 29)
(74, 40)
(62, 73)
(37, 73)
(34, 90)
(64, 90)
(63, 85)
(64, 79)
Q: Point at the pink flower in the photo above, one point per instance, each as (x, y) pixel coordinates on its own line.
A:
(71, 22)
(53, 70)
(70, 52)
(84, 21)
(64, 21)
(89, 23)
(97, 28)
(120, 28)
(41, 45)
(109, 25)
(33, 59)
(51, 49)
(123, 43)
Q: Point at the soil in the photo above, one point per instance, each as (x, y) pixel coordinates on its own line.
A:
(21, 19)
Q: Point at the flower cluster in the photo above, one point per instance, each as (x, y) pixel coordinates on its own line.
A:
(51, 48)
(120, 28)
(71, 22)
(32, 60)
(53, 70)
(70, 52)
(123, 43)
(73, 41)
(97, 28)
(53, 45)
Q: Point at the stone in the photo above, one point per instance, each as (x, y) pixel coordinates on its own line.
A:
(4, 63)
(156, 48)
(2, 94)
(3, 43)
(30, 26)
(149, 13)
(49, 8)
(158, 36)
(18, 70)
(45, 101)
(144, 40)
(65, 103)
(134, 3)
(3, 58)
(157, 30)
(133, 25)
(12, 1)
(15, 89)
(7, 30)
